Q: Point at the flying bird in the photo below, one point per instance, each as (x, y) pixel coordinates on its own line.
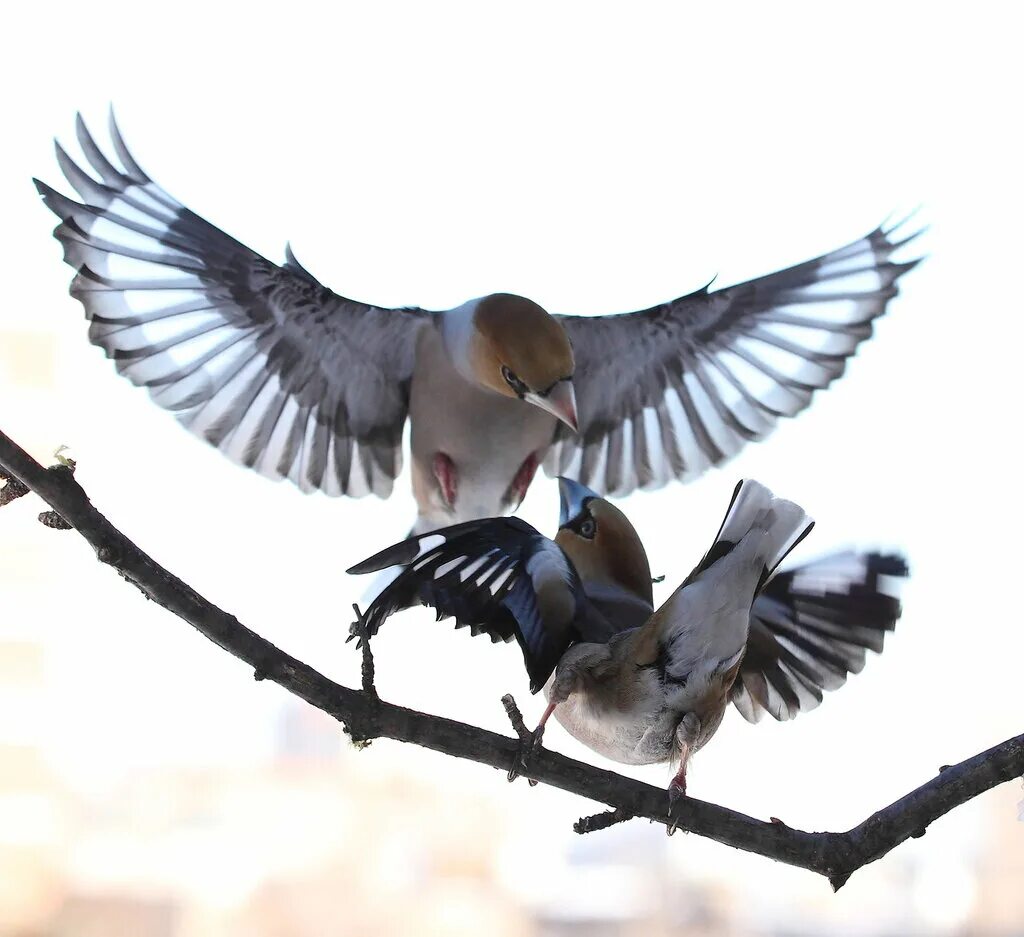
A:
(291, 379)
(641, 685)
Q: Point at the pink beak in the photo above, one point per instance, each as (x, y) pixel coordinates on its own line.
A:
(560, 402)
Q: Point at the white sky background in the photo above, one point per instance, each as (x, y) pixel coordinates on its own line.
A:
(597, 158)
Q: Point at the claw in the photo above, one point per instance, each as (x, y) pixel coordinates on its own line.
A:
(527, 749)
(676, 793)
(357, 628)
(521, 483)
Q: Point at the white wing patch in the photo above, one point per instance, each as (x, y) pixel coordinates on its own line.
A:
(475, 565)
(446, 568)
(419, 564)
(499, 581)
(490, 571)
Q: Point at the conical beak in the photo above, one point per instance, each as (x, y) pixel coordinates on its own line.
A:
(560, 401)
(572, 495)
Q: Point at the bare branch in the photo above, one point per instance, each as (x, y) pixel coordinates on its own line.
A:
(365, 716)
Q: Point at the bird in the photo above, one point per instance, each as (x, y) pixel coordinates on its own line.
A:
(289, 378)
(641, 685)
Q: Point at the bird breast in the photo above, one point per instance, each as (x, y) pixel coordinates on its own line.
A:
(632, 719)
(624, 720)
(486, 436)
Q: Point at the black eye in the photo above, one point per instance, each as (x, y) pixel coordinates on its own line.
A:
(510, 378)
(587, 528)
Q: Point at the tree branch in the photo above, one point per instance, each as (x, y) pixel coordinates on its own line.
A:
(365, 717)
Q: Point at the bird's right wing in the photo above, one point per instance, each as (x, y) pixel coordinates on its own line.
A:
(499, 576)
(261, 360)
(813, 625)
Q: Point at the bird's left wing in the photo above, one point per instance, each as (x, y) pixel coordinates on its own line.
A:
(280, 373)
(813, 625)
(499, 576)
(673, 390)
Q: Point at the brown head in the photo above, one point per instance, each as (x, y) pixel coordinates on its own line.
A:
(601, 542)
(517, 349)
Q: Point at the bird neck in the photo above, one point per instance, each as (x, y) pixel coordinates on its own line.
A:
(630, 569)
(620, 562)
(458, 332)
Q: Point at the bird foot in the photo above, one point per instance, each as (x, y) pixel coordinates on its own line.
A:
(447, 477)
(528, 747)
(357, 629)
(676, 794)
(521, 483)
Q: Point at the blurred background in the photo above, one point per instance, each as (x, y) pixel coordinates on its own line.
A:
(597, 158)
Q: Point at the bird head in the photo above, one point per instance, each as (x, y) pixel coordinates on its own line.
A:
(519, 350)
(601, 542)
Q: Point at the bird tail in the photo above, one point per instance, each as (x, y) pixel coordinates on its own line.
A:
(762, 527)
(708, 616)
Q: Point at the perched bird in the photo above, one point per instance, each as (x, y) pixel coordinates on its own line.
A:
(640, 685)
(291, 379)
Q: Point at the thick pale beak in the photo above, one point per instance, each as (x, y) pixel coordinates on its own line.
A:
(560, 401)
(572, 495)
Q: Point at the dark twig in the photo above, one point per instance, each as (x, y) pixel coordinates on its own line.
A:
(368, 670)
(834, 855)
(601, 821)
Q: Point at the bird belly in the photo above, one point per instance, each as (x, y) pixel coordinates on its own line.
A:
(639, 727)
(636, 731)
(486, 436)
(621, 737)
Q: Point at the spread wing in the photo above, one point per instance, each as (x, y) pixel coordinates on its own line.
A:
(813, 625)
(261, 360)
(673, 390)
(499, 576)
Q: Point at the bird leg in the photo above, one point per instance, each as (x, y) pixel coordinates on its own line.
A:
(521, 483)
(687, 733)
(447, 477)
(567, 675)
